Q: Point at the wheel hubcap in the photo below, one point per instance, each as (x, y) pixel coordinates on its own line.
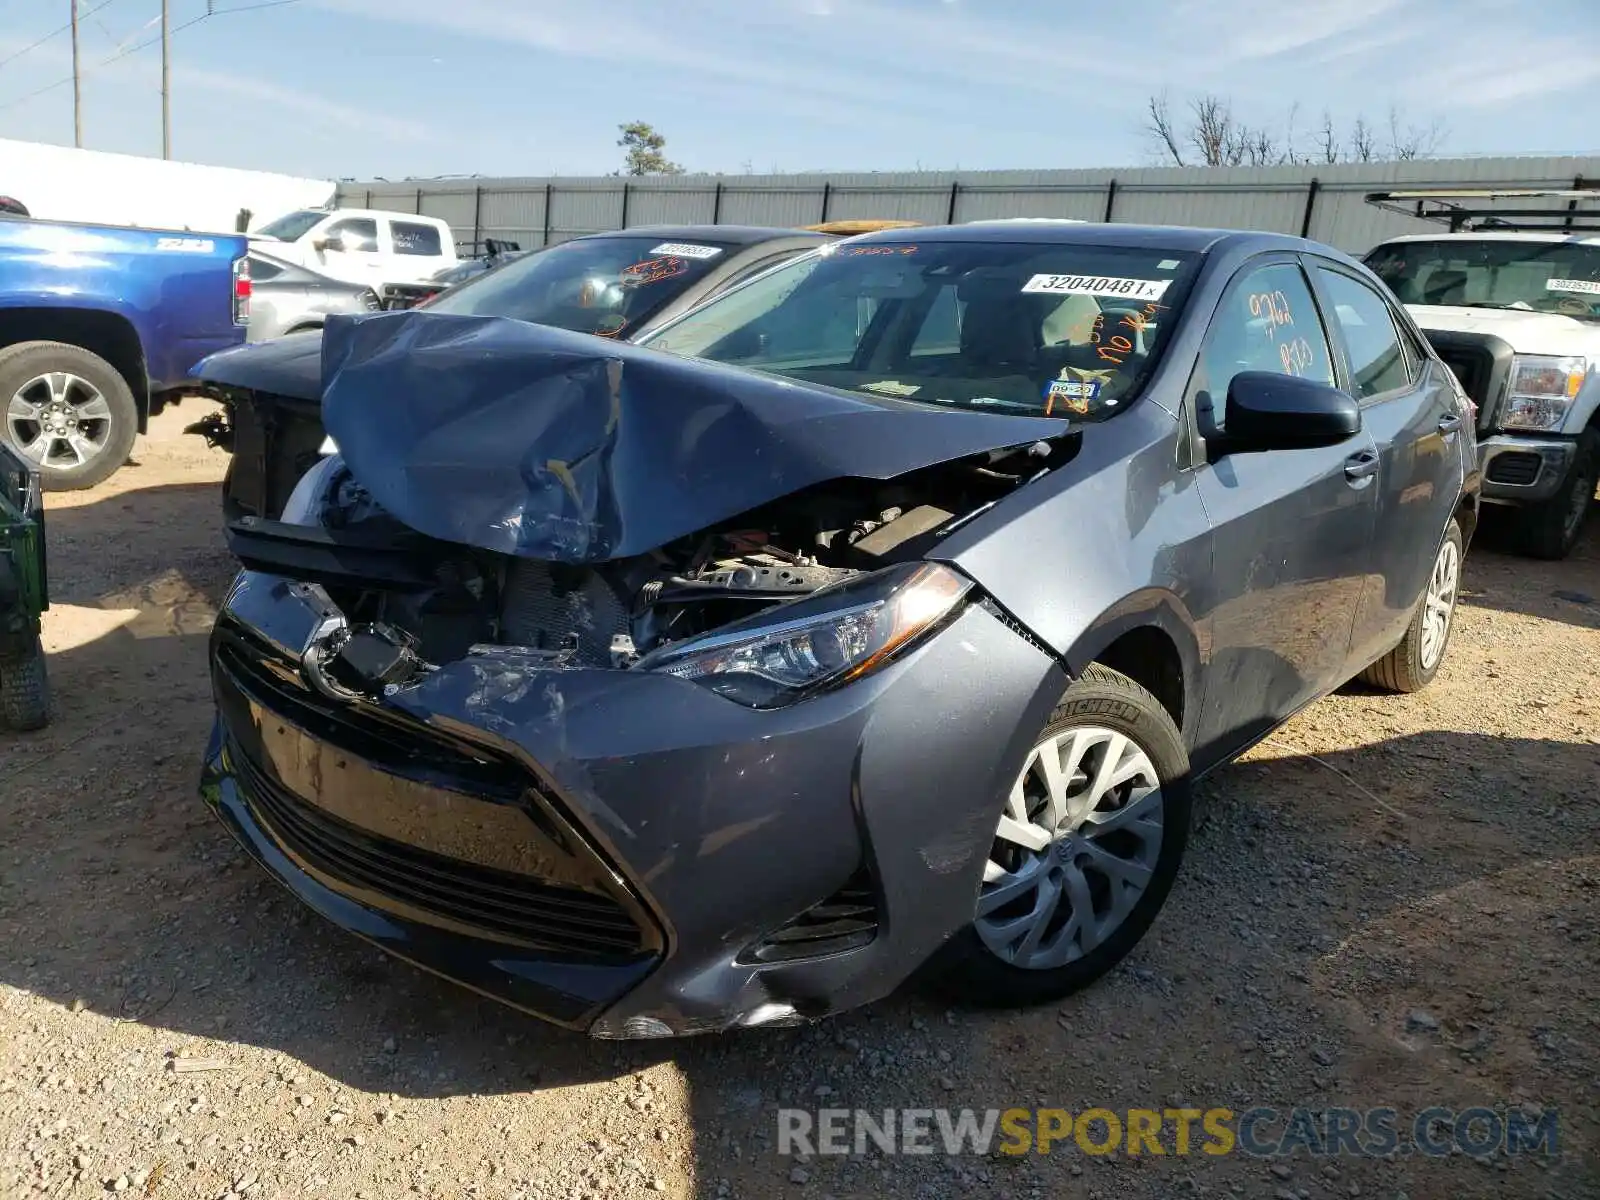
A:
(1075, 849)
(1440, 604)
(58, 420)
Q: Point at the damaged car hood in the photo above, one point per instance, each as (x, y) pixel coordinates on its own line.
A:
(288, 366)
(533, 441)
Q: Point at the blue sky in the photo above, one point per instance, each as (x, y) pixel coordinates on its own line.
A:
(358, 88)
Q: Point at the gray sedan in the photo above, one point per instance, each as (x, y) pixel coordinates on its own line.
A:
(286, 298)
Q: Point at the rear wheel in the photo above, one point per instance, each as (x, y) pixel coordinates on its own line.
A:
(25, 689)
(1085, 850)
(67, 411)
(1552, 528)
(1411, 665)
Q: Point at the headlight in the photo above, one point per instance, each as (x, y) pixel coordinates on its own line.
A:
(1542, 391)
(304, 505)
(832, 636)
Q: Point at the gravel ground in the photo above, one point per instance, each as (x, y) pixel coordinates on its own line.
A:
(1395, 902)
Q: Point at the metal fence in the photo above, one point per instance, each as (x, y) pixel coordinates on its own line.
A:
(1321, 202)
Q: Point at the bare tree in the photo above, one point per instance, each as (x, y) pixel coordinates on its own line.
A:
(1214, 135)
(1412, 141)
(1327, 139)
(1162, 128)
(1363, 141)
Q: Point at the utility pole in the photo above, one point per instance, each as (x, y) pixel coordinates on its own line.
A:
(166, 81)
(77, 92)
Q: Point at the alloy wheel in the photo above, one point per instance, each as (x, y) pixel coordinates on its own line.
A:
(1440, 604)
(1075, 849)
(59, 420)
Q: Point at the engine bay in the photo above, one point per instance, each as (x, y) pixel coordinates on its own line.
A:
(450, 601)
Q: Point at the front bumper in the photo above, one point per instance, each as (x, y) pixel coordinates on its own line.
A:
(1525, 468)
(483, 816)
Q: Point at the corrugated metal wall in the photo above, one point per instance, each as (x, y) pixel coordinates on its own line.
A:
(1326, 202)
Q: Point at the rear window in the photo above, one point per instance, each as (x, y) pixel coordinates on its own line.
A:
(413, 238)
(1060, 330)
(605, 285)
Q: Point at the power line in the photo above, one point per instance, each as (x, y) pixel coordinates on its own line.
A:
(57, 33)
(144, 45)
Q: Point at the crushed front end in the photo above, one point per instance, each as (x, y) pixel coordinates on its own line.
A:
(744, 775)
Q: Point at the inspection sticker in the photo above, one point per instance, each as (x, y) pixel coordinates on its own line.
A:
(1075, 394)
(1098, 285)
(1587, 287)
(687, 250)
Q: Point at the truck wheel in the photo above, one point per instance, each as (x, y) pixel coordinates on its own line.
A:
(1551, 529)
(67, 411)
(25, 689)
(1411, 665)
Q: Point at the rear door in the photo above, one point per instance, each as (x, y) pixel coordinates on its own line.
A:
(1409, 407)
(1292, 528)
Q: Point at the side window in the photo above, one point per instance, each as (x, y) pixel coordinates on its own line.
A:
(1377, 363)
(360, 234)
(413, 238)
(754, 269)
(1267, 322)
(262, 270)
(941, 327)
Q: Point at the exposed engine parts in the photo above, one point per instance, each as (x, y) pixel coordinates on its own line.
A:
(609, 614)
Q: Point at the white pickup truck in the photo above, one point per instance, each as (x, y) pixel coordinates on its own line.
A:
(1510, 298)
(361, 245)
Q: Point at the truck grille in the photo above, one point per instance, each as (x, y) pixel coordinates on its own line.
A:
(1482, 363)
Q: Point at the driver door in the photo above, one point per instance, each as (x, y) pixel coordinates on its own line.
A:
(1292, 529)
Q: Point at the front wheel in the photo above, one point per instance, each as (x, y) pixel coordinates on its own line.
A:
(67, 411)
(1411, 665)
(1551, 528)
(1085, 850)
(25, 689)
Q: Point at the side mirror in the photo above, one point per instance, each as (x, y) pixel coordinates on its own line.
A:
(324, 244)
(1268, 411)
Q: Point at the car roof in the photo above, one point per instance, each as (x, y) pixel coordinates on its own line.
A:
(736, 235)
(1499, 235)
(1060, 233)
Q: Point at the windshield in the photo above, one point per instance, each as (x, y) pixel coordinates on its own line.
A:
(604, 285)
(293, 226)
(1559, 277)
(1063, 330)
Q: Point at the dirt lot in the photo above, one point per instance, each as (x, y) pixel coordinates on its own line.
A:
(1396, 902)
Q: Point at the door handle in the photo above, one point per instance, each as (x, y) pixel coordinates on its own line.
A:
(1361, 466)
(1449, 423)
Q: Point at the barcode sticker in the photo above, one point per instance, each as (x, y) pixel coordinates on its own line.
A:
(687, 250)
(1586, 287)
(1098, 285)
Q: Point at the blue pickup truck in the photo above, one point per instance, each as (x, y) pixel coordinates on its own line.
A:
(99, 327)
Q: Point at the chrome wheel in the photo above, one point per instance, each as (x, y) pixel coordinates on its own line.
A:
(1076, 847)
(59, 420)
(1440, 603)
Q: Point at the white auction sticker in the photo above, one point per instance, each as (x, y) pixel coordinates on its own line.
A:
(687, 250)
(1587, 287)
(1098, 285)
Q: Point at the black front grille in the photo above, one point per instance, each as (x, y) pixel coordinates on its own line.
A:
(846, 920)
(401, 747)
(1482, 362)
(476, 898)
(1517, 467)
